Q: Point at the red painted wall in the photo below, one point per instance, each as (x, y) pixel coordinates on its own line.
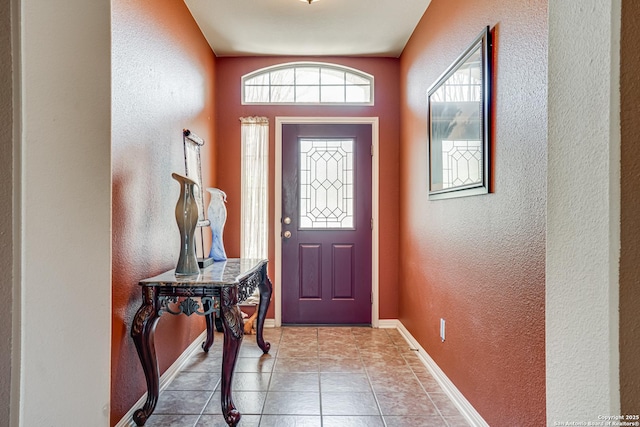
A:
(163, 81)
(229, 109)
(479, 262)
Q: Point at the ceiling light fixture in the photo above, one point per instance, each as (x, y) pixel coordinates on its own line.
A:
(309, 1)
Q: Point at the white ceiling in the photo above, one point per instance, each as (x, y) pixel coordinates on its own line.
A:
(293, 27)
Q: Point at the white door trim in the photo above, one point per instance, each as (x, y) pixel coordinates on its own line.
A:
(375, 203)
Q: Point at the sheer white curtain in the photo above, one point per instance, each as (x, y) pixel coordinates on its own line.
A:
(255, 191)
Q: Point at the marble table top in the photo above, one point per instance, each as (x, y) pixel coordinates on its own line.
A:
(220, 273)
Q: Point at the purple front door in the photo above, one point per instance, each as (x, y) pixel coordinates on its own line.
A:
(326, 224)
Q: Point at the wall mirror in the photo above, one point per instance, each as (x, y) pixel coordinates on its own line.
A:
(458, 121)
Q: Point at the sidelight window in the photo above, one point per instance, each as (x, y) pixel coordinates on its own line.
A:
(255, 193)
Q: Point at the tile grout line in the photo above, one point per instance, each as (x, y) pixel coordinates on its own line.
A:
(319, 381)
(429, 396)
(375, 395)
(273, 367)
(423, 388)
(213, 392)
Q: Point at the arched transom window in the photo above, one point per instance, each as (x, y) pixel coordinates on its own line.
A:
(307, 83)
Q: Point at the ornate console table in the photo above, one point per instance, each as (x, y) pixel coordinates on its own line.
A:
(219, 288)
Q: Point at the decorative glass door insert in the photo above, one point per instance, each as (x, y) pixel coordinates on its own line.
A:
(326, 183)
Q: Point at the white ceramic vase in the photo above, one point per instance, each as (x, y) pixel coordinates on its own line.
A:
(217, 215)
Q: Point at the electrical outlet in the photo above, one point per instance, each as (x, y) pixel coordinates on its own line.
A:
(442, 329)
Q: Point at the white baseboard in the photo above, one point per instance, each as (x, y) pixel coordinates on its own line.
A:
(388, 324)
(466, 409)
(165, 379)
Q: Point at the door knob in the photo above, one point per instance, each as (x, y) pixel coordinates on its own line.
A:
(287, 220)
(287, 234)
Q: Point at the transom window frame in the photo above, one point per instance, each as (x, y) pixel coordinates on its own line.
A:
(310, 64)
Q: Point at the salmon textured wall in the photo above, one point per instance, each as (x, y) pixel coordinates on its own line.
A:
(163, 74)
(479, 261)
(385, 71)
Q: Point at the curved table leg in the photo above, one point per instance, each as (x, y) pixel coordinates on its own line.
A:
(266, 288)
(143, 332)
(218, 323)
(206, 305)
(233, 332)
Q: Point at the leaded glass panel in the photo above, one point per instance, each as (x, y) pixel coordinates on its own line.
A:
(326, 183)
(461, 162)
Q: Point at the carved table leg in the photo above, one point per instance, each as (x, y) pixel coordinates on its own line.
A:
(218, 323)
(265, 298)
(143, 332)
(206, 305)
(232, 323)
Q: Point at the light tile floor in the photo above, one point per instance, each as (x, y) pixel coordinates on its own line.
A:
(312, 377)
